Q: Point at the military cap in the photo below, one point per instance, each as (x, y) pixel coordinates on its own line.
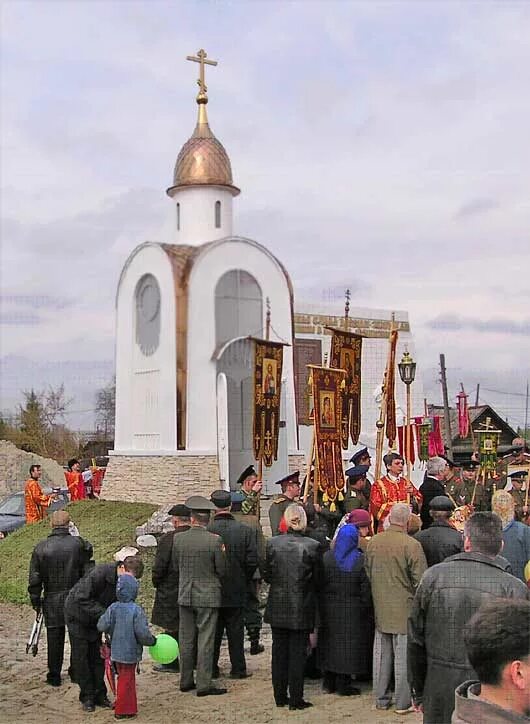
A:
(359, 455)
(198, 502)
(469, 465)
(441, 502)
(237, 499)
(518, 474)
(293, 478)
(360, 517)
(247, 472)
(357, 471)
(180, 511)
(221, 498)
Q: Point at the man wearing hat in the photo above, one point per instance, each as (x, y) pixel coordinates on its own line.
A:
(199, 561)
(518, 455)
(166, 582)
(241, 563)
(86, 602)
(440, 540)
(355, 496)
(290, 490)
(390, 489)
(57, 563)
(518, 478)
(454, 484)
(250, 488)
(475, 490)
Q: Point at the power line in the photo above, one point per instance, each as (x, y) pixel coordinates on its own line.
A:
(498, 392)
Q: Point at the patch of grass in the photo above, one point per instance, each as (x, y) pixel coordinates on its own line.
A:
(107, 524)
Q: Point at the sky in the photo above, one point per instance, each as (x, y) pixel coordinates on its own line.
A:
(380, 146)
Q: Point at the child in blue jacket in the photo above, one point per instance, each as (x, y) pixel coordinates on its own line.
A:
(127, 625)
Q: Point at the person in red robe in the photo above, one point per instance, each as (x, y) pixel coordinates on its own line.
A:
(74, 480)
(35, 501)
(392, 488)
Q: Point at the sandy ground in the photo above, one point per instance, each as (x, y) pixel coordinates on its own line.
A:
(25, 696)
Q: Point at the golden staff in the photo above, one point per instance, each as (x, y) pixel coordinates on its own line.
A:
(380, 424)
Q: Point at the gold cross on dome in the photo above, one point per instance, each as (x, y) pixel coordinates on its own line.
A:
(201, 59)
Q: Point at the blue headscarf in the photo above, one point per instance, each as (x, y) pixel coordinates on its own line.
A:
(346, 549)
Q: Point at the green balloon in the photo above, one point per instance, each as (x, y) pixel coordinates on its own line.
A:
(165, 650)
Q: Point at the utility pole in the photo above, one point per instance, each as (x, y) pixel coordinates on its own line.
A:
(526, 413)
(476, 396)
(447, 419)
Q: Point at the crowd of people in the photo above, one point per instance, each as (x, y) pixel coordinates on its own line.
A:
(387, 590)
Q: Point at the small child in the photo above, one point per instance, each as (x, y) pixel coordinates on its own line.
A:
(127, 625)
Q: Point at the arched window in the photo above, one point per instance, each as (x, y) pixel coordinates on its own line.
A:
(178, 217)
(147, 314)
(217, 214)
(238, 306)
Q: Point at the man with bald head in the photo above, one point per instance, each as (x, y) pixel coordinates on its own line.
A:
(57, 563)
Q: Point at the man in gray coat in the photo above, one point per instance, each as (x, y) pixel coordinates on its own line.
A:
(199, 561)
(395, 563)
(448, 595)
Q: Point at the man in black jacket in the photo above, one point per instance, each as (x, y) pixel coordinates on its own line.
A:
(448, 595)
(166, 582)
(242, 561)
(432, 486)
(85, 603)
(441, 539)
(57, 563)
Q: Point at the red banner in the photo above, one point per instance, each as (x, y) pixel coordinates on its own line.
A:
(463, 414)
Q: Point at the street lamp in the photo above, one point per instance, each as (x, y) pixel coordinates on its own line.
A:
(407, 372)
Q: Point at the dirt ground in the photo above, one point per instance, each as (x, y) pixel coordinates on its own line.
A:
(24, 696)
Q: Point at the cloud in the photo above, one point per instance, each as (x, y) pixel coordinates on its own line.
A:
(475, 207)
(495, 326)
(36, 301)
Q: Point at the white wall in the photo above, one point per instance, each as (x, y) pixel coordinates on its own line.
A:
(145, 386)
(227, 254)
(197, 214)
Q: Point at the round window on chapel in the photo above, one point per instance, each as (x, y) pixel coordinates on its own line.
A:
(148, 314)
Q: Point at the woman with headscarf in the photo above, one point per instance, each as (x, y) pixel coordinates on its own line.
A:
(345, 606)
(293, 570)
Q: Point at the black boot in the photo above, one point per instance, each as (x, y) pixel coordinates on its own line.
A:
(255, 646)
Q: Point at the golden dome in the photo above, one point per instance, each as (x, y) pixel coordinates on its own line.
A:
(202, 160)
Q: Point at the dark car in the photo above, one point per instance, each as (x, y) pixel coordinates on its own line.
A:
(13, 511)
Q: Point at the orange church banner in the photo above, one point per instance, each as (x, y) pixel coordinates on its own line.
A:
(327, 405)
(268, 360)
(346, 350)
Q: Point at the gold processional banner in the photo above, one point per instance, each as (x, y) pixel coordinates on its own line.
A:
(390, 383)
(327, 404)
(346, 350)
(268, 359)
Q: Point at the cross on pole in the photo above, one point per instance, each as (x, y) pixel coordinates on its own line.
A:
(201, 59)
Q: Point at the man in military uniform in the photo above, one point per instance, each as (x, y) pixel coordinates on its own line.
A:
(290, 490)
(518, 478)
(518, 456)
(199, 561)
(242, 560)
(458, 490)
(469, 477)
(165, 580)
(250, 489)
(355, 496)
(245, 507)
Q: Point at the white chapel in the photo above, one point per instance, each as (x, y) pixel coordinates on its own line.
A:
(184, 313)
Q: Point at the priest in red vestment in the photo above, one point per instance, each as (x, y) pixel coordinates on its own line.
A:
(74, 480)
(392, 488)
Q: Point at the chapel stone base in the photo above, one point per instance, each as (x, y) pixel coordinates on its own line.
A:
(159, 479)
